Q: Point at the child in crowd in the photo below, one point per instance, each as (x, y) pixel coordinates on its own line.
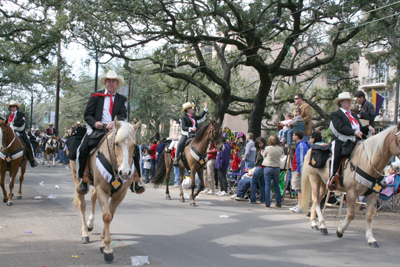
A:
(146, 164)
(388, 190)
(296, 119)
(282, 133)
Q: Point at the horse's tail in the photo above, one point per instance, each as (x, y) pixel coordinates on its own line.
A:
(160, 171)
(305, 183)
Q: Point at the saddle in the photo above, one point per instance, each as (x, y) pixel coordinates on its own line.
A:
(335, 183)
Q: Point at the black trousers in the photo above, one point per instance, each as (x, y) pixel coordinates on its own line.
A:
(223, 183)
(336, 147)
(181, 145)
(84, 150)
(28, 145)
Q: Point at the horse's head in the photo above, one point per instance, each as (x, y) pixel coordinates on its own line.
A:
(216, 134)
(124, 147)
(5, 133)
(395, 146)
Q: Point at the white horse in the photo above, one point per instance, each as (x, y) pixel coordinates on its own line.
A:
(117, 152)
(371, 156)
(50, 148)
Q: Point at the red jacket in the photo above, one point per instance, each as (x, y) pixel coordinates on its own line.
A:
(294, 163)
(235, 161)
(153, 151)
(213, 152)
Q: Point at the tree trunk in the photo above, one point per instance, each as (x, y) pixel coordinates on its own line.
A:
(221, 105)
(256, 114)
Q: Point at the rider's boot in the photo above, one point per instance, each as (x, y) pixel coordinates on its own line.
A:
(333, 182)
(137, 186)
(83, 187)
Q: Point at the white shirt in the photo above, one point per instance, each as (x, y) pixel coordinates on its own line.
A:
(146, 161)
(106, 118)
(355, 127)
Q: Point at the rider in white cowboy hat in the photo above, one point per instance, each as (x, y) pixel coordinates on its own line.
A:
(17, 119)
(345, 126)
(103, 106)
(189, 126)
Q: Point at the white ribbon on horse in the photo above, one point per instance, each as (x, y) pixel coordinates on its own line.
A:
(106, 175)
(17, 155)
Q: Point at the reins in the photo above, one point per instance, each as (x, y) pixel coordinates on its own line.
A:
(112, 154)
(8, 134)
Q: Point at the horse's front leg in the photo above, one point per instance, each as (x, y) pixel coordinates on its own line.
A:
(13, 174)
(21, 179)
(201, 180)
(93, 199)
(168, 166)
(105, 244)
(370, 202)
(192, 187)
(181, 177)
(3, 187)
(54, 159)
(351, 206)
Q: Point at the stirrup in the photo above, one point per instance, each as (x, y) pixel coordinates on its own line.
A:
(80, 189)
(333, 182)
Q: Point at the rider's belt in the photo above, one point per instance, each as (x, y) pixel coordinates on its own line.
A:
(19, 129)
(202, 159)
(374, 184)
(106, 170)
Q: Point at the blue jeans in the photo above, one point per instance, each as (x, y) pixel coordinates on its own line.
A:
(258, 178)
(146, 175)
(243, 185)
(249, 164)
(66, 159)
(153, 167)
(177, 172)
(60, 156)
(272, 174)
(283, 133)
(141, 167)
(289, 135)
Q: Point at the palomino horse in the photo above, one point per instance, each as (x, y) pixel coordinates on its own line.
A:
(50, 149)
(112, 170)
(371, 156)
(209, 132)
(11, 151)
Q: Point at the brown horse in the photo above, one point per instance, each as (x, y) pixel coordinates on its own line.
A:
(371, 156)
(209, 132)
(11, 151)
(50, 149)
(116, 151)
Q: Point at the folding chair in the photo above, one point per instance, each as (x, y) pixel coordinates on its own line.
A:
(389, 201)
(300, 126)
(232, 178)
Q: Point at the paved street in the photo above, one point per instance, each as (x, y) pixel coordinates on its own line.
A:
(46, 232)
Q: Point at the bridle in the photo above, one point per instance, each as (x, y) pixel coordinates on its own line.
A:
(8, 136)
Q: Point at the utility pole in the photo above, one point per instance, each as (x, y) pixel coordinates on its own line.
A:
(97, 69)
(31, 108)
(58, 85)
(129, 97)
(396, 102)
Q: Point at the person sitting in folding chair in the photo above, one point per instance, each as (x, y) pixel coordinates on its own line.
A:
(243, 186)
(389, 190)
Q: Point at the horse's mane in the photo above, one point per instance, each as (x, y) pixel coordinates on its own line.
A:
(125, 131)
(376, 142)
(200, 133)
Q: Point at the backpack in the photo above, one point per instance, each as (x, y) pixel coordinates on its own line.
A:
(319, 155)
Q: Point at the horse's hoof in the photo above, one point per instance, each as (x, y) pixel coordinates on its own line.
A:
(373, 245)
(102, 250)
(193, 204)
(19, 197)
(90, 229)
(9, 203)
(338, 234)
(4, 200)
(323, 231)
(182, 200)
(85, 240)
(108, 257)
(315, 227)
(168, 197)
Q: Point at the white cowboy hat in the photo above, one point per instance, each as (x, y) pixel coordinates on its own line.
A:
(78, 122)
(342, 96)
(111, 74)
(51, 123)
(13, 103)
(188, 105)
